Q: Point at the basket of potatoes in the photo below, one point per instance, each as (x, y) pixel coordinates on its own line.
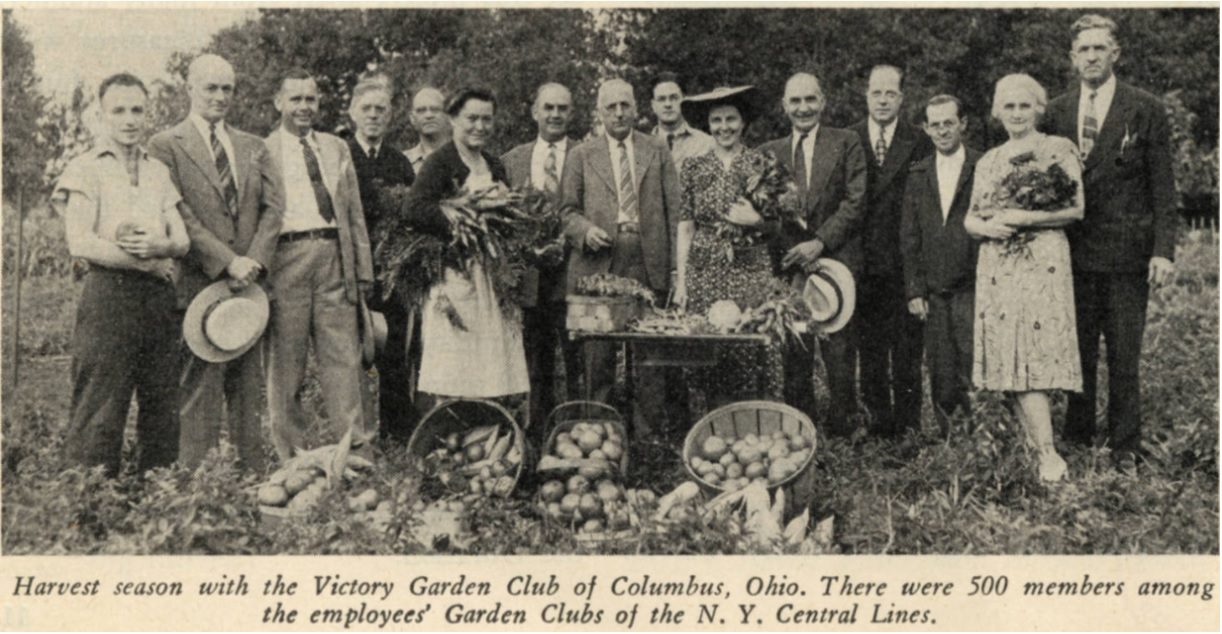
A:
(750, 441)
(470, 447)
(587, 438)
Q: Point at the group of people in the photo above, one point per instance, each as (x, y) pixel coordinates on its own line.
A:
(911, 212)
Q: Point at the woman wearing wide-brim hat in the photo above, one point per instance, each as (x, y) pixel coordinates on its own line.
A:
(722, 242)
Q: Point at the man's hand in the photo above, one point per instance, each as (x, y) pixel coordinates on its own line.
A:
(243, 271)
(804, 254)
(1162, 271)
(142, 244)
(918, 307)
(597, 239)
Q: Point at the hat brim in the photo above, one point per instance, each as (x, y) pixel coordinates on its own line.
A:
(842, 279)
(696, 108)
(193, 321)
(822, 297)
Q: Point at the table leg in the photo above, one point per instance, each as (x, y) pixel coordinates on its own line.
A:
(630, 386)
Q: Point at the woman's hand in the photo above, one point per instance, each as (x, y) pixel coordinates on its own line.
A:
(995, 229)
(743, 214)
(679, 297)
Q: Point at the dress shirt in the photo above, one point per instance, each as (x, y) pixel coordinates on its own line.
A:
(538, 161)
(615, 169)
(808, 149)
(366, 147)
(948, 168)
(876, 130)
(688, 142)
(1103, 102)
(416, 155)
(300, 206)
(222, 134)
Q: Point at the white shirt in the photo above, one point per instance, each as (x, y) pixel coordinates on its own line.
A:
(222, 135)
(887, 133)
(808, 149)
(538, 161)
(365, 146)
(1103, 103)
(300, 206)
(615, 169)
(415, 155)
(948, 169)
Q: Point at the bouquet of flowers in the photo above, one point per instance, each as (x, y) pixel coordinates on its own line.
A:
(1031, 188)
(767, 185)
(508, 230)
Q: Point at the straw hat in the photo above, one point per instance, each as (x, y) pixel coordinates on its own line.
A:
(373, 333)
(696, 108)
(221, 324)
(831, 295)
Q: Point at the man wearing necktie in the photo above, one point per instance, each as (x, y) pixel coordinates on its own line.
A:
(540, 163)
(322, 268)
(380, 166)
(233, 208)
(620, 193)
(891, 342)
(829, 168)
(1126, 241)
(683, 140)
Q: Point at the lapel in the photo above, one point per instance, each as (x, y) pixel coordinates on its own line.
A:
(600, 161)
(897, 155)
(273, 147)
(1112, 133)
(329, 160)
(644, 156)
(825, 160)
(194, 146)
(965, 175)
(242, 161)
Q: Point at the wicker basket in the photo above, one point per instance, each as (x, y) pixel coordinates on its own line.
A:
(461, 415)
(566, 415)
(750, 417)
(601, 314)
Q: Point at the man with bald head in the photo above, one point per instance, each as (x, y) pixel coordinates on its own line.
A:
(428, 118)
(539, 163)
(620, 193)
(233, 209)
(829, 168)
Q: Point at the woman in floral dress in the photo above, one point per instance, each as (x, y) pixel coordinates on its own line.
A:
(1025, 339)
(710, 267)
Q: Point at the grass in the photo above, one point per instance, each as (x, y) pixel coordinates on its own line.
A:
(972, 494)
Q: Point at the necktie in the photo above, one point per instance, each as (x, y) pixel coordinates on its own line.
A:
(880, 147)
(1090, 126)
(320, 188)
(373, 153)
(627, 189)
(551, 182)
(670, 140)
(228, 187)
(799, 162)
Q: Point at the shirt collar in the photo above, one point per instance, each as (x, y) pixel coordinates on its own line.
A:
(613, 142)
(415, 153)
(106, 145)
(797, 134)
(366, 147)
(1104, 92)
(561, 145)
(205, 128)
(683, 130)
(957, 157)
(877, 128)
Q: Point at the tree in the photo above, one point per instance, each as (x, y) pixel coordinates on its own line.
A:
(25, 151)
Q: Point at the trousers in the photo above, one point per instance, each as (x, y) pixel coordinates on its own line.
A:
(890, 354)
(948, 352)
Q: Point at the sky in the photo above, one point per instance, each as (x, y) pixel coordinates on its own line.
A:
(89, 44)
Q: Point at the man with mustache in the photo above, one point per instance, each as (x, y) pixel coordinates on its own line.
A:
(620, 192)
(322, 268)
(1126, 241)
(428, 118)
(829, 168)
(233, 211)
(539, 164)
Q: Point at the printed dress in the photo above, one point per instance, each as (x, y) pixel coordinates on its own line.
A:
(1025, 337)
(742, 371)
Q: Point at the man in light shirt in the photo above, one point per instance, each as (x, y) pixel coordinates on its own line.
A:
(233, 208)
(939, 257)
(540, 163)
(428, 118)
(322, 269)
(620, 193)
(683, 140)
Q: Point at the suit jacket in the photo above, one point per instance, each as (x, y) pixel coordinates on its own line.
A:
(589, 196)
(885, 193)
(439, 178)
(356, 261)
(939, 256)
(538, 286)
(390, 169)
(216, 237)
(834, 203)
(1129, 186)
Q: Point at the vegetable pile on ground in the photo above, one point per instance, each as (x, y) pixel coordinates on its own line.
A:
(728, 462)
(296, 488)
(582, 467)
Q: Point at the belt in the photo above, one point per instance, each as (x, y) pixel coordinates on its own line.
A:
(329, 233)
(630, 227)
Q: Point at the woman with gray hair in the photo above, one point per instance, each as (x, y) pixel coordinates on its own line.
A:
(1025, 191)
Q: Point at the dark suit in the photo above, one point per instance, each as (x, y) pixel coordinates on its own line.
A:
(939, 261)
(217, 238)
(890, 344)
(395, 363)
(1130, 217)
(833, 204)
(543, 319)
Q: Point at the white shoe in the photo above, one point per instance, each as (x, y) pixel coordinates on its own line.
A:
(1053, 467)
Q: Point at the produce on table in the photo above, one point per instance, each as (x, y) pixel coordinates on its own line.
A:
(730, 463)
(778, 317)
(608, 285)
(725, 315)
(480, 462)
(670, 322)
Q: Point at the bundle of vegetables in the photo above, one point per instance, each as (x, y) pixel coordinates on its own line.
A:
(672, 322)
(769, 188)
(608, 285)
(481, 462)
(507, 230)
